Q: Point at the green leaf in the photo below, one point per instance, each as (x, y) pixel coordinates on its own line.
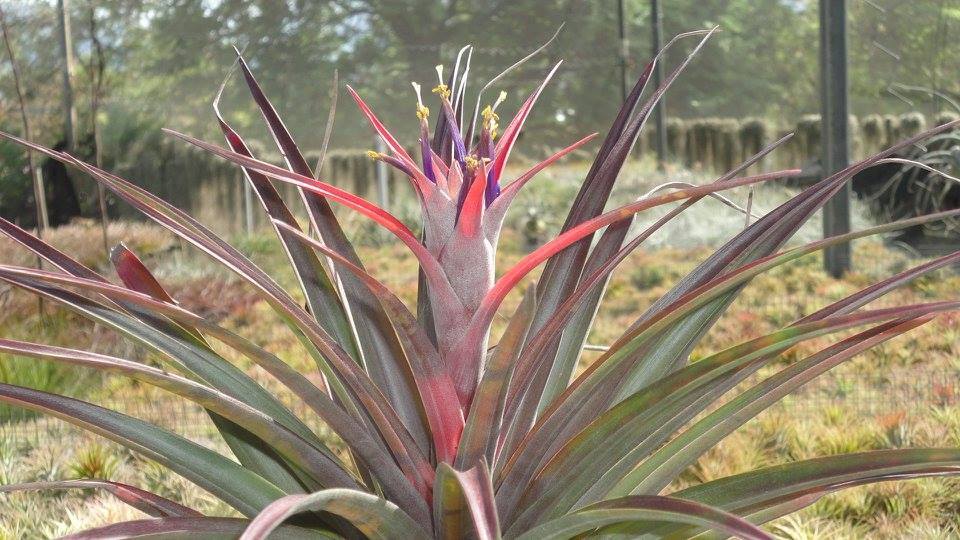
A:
(768, 493)
(463, 504)
(272, 435)
(666, 463)
(374, 517)
(635, 427)
(248, 449)
(591, 393)
(367, 448)
(483, 426)
(643, 509)
(241, 488)
(146, 502)
(208, 528)
(435, 390)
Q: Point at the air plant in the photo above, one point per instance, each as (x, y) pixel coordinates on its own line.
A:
(449, 434)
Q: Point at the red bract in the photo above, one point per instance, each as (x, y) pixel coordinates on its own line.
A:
(448, 436)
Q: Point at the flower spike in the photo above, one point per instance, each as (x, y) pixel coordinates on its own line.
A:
(425, 152)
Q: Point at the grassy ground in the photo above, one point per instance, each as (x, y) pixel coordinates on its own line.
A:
(900, 395)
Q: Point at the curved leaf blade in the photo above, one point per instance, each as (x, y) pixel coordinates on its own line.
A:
(148, 503)
(644, 509)
(375, 517)
(209, 528)
(242, 489)
(463, 504)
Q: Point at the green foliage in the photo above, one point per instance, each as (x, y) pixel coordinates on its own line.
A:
(648, 277)
(94, 461)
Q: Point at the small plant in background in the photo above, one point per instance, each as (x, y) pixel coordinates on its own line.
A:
(452, 431)
(534, 229)
(94, 461)
(894, 429)
(648, 277)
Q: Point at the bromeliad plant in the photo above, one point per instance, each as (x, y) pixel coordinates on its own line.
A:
(451, 436)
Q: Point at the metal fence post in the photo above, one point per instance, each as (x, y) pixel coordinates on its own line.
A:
(834, 120)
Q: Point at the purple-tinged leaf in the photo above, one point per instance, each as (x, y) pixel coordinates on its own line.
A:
(362, 389)
(759, 239)
(148, 503)
(659, 469)
(371, 451)
(47, 252)
(296, 450)
(562, 271)
(480, 435)
(321, 296)
(463, 503)
(491, 302)
(690, 390)
(589, 397)
(437, 393)
(595, 480)
(376, 518)
(644, 509)
(752, 493)
(581, 305)
(203, 527)
(379, 215)
(240, 488)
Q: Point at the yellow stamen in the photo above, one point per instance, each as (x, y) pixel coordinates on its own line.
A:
(374, 155)
(442, 90)
(491, 120)
(472, 163)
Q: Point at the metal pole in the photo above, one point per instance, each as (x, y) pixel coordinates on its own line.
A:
(624, 50)
(659, 114)
(834, 127)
